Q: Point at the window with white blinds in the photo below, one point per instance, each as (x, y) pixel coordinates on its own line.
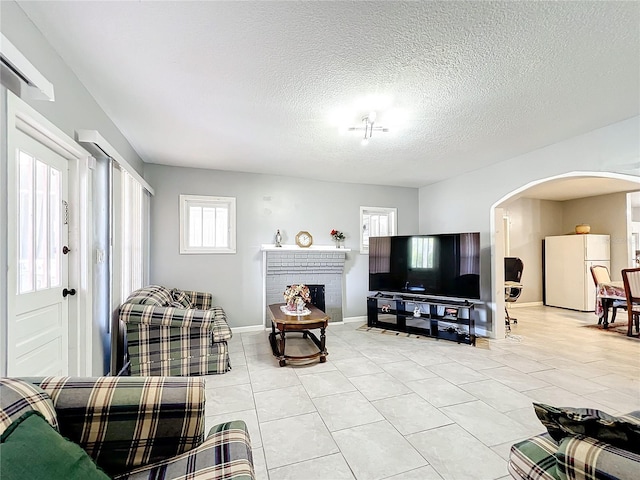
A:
(133, 234)
(207, 224)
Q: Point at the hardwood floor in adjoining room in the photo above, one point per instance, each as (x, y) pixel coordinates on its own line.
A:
(388, 407)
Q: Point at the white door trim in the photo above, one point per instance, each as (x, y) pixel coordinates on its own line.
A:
(23, 117)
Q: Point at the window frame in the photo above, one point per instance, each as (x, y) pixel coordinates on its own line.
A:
(187, 201)
(390, 212)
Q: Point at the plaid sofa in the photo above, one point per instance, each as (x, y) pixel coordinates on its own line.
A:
(136, 428)
(576, 456)
(174, 333)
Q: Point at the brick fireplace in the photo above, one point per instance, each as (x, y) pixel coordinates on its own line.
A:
(290, 264)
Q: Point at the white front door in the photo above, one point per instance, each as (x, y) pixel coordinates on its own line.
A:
(38, 313)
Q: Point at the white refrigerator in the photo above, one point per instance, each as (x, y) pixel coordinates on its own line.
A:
(568, 259)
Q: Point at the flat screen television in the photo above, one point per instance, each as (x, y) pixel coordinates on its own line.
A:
(436, 265)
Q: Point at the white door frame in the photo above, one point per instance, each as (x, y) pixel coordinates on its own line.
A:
(497, 242)
(22, 116)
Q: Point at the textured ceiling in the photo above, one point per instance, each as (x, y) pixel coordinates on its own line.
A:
(256, 86)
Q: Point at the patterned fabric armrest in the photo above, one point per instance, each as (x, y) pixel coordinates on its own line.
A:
(224, 455)
(586, 458)
(128, 422)
(201, 300)
(213, 319)
(534, 459)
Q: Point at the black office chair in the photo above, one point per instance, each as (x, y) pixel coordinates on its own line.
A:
(513, 268)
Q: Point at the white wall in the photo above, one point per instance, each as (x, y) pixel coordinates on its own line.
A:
(463, 203)
(606, 214)
(265, 203)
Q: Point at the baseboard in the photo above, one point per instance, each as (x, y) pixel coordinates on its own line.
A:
(250, 328)
(524, 304)
(363, 318)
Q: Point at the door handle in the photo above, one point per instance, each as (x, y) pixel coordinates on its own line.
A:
(66, 292)
(65, 250)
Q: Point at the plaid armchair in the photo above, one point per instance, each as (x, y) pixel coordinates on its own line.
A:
(580, 444)
(137, 428)
(175, 332)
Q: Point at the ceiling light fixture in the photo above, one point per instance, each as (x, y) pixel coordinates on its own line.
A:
(368, 125)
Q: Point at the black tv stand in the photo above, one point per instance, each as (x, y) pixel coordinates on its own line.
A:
(422, 315)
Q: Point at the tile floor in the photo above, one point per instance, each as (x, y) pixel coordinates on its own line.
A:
(387, 407)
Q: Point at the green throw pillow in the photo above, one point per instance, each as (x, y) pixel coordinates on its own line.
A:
(562, 422)
(30, 448)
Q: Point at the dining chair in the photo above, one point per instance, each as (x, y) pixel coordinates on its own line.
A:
(631, 281)
(600, 274)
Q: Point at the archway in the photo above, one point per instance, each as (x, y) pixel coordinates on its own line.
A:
(497, 236)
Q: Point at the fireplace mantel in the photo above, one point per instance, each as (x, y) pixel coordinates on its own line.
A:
(313, 248)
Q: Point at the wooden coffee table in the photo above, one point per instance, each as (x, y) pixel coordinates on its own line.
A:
(282, 323)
